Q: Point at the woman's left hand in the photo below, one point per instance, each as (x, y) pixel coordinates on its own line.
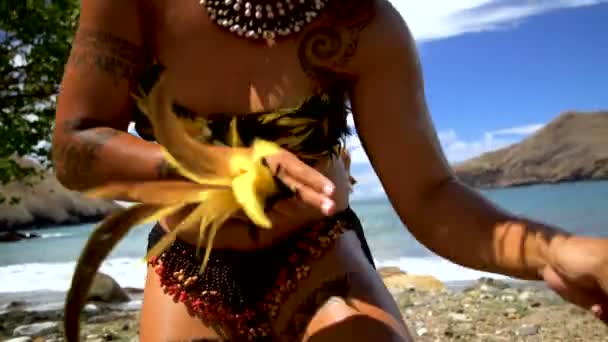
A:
(578, 272)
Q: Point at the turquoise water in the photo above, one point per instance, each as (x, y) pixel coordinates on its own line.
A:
(577, 207)
(580, 208)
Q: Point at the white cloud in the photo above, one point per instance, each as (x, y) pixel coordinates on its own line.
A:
(457, 149)
(437, 19)
(521, 130)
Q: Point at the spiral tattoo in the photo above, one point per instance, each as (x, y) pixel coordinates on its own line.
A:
(325, 49)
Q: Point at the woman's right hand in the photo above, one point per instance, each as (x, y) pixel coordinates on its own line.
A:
(310, 185)
(291, 214)
(320, 191)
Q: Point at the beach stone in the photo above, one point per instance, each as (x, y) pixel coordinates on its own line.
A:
(389, 271)
(403, 300)
(109, 336)
(36, 329)
(507, 298)
(524, 296)
(396, 280)
(91, 308)
(112, 316)
(19, 339)
(458, 317)
(422, 331)
(511, 313)
(528, 330)
(485, 296)
(106, 289)
(486, 288)
(493, 283)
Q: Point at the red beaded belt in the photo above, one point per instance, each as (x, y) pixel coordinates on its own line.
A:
(243, 291)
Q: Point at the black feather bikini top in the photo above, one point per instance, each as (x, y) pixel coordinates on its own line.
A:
(312, 130)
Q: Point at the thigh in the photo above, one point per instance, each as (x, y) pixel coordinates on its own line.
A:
(163, 319)
(342, 299)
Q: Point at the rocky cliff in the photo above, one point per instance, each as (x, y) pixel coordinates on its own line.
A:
(47, 203)
(572, 147)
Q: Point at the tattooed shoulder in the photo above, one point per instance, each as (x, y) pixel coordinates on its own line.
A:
(107, 53)
(326, 48)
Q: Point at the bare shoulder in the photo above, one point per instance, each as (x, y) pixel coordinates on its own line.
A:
(114, 29)
(387, 38)
(107, 56)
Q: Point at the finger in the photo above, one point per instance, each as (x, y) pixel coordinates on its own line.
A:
(600, 312)
(305, 174)
(308, 195)
(291, 205)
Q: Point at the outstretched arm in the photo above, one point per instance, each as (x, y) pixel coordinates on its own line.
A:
(396, 131)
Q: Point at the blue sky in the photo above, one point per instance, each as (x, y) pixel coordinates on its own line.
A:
(496, 71)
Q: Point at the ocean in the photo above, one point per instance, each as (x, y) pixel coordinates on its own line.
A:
(46, 264)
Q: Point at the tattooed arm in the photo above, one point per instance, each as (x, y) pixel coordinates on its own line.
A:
(90, 142)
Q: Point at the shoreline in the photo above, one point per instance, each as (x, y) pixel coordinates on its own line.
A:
(483, 310)
(52, 300)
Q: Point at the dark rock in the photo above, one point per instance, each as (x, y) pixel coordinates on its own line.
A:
(14, 305)
(108, 336)
(14, 236)
(60, 206)
(105, 289)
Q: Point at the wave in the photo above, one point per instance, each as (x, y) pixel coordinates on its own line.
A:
(128, 272)
(131, 272)
(54, 235)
